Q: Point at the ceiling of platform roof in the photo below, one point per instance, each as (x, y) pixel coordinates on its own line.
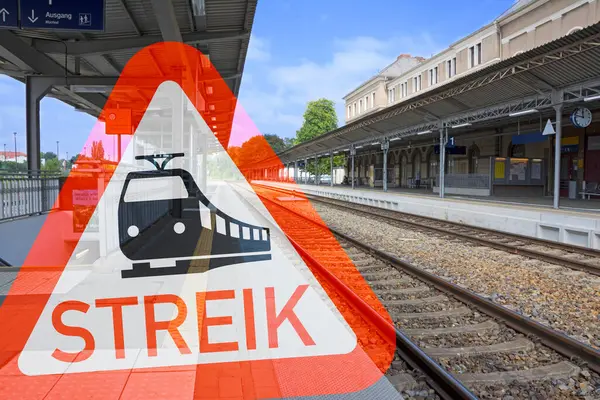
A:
(567, 61)
(219, 28)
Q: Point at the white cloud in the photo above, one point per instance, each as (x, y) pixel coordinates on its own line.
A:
(278, 95)
(258, 49)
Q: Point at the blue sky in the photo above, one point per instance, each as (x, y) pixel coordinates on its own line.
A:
(299, 51)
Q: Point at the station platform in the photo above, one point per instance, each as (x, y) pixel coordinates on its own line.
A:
(577, 222)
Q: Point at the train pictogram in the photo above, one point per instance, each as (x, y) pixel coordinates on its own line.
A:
(187, 228)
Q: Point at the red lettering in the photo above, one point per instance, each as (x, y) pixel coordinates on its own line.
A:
(204, 322)
(274, 321)
(76, 331)
(249, 319)
(117, 305)
(152, 326)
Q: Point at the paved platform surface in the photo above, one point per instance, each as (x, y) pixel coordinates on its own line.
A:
(571, 224)
(592, 205)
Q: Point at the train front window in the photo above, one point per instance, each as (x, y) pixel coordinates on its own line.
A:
(154, 189)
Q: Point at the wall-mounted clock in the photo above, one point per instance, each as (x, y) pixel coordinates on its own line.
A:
(581, 117)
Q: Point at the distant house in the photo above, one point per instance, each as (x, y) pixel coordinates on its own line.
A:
(12, 156)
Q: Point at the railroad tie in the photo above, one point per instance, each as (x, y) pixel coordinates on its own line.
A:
(560, 370)
(520, 344)
(480, 327)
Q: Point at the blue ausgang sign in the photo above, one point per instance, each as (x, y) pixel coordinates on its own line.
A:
(9, 14)
(81, 15)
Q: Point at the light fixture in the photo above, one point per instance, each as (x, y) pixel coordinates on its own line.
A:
(460, 125)
(198, 8)
(214, 118)
(214, 127)
(211, 107)
(335, 152)
(374, 144)
(592, 98)
(357, 147)
(346, 150)
(524, 112)
(394, 139)
(91, 88)
(209, 90)
(423, 132)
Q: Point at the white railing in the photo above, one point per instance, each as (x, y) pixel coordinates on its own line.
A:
(25, 194)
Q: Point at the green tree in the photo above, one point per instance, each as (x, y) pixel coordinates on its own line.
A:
(319, 118)
(289, 142)
(48, 155)
(52, 165)
(97, 150)
(276, 143)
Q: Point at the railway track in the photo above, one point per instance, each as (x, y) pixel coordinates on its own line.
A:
(574, 257)
(414, 371)
(495, 352)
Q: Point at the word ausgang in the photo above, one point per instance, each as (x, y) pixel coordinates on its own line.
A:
(152, 326)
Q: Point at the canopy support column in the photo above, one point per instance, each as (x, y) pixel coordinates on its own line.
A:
(385, 146)
(35, 90)
(352, 154)
(557, 144)
(331, 168)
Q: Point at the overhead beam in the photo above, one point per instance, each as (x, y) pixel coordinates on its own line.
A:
(26, 57)
(130, 17)
(103, 64)
(167, 21)
(103, 46)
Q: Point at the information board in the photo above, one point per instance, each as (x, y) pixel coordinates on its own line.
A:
(118, 121)
(9, 14)
(84, 204)
(518, 169)
(78, 15)
(499, 169)
(536, 170)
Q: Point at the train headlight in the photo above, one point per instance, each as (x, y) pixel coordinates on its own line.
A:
(133, 231)
(179, 228)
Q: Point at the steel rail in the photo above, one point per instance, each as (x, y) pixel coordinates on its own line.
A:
(514, 249)
(444, 383)
(557, 341)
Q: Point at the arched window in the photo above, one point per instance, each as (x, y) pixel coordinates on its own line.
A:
(416, 164)
(518, 52)
(516, 150)
(574, 29)
(433, 164)
(474, 159)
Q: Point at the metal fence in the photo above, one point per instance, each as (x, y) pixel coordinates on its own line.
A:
(466, 181)
(24, 194)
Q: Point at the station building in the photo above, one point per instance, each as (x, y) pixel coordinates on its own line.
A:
(487, 99)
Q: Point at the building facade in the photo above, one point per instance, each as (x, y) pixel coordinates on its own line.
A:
(526, 25)
(372, 96)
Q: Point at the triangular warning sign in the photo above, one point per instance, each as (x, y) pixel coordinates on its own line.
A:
(163, 275)
(548, 129)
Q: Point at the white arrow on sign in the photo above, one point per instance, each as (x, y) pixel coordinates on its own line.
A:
(4, 13)
(33, 18)
(549, 129)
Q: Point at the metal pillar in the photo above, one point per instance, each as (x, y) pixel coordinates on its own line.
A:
(385, 146)
(316, 170)
(352, 154)
(558, 108)
(442, 162)
(296, 171)
(306, 171)
(331, 168)
(35, 90)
